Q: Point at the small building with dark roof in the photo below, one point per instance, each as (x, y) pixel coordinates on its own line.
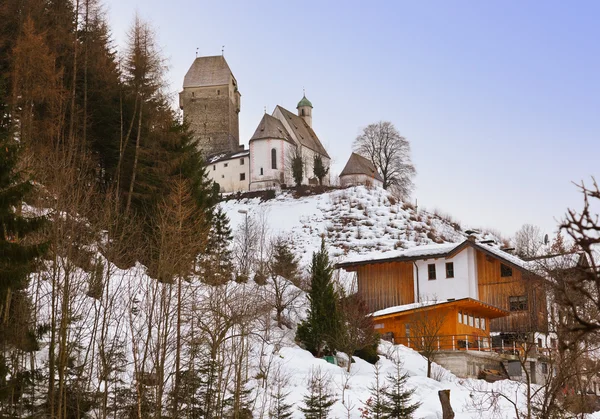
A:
(360, 171)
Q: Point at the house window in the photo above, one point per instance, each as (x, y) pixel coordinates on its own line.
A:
(553, 343)
(539, 342)
(241, 162)
(505, 271)
(483, 323)
(273, 158)
(214, 167)
(378, 326)
(518, 303)
(226, 164)
(222, 176)
(450, 270)
(192, 94)
(242, 176)
(545, 369)
(407, 330)
(471, 320)
(431, 271)
(477, 322)
(460, 316)
(218, 92)
(261, 171)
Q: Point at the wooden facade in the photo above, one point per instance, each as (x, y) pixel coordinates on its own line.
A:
(385, 285)
(497, 290)
(464, 323)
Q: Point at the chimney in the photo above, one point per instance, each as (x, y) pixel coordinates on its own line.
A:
(471, 238)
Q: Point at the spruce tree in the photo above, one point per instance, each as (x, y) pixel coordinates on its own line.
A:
(297, 168)
(318, 331)
(17, 261)
(280, 409)
(284, 263)
(397, 397)
(375, 406)
(318, 401)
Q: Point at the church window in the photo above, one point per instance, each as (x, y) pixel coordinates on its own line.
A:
(261, 171)
(242, 176)
(214, 167)
(302, 112)
(273, 158)
(218, 92)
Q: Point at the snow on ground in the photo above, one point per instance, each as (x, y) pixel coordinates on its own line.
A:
(354, 221)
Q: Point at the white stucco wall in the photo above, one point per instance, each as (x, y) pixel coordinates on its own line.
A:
(464, 283)
(360, 179)
(227, 174)
(260, 157)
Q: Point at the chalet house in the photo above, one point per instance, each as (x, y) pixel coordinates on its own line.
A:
(360, 171)
(486, 296)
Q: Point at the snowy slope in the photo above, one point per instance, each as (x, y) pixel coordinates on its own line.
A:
(354, 221)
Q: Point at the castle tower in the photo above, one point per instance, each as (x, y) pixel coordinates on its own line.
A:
(305, 110)
(210, 101)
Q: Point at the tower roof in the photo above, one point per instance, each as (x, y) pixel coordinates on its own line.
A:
(304, 102)
(359, 165)
(208, 71)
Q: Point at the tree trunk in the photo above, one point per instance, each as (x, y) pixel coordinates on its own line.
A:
(447, 412)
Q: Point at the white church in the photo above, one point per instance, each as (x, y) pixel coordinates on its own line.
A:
(211, 103)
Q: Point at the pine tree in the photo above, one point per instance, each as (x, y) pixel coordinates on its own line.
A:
(319, 399)
(16, 263)
(280, 409)
(397, 397)
(375, 406)
(284, 262)
(318, 331)
(319, 170)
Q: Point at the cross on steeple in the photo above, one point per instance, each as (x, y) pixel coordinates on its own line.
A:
(197, 52)
(223, 51)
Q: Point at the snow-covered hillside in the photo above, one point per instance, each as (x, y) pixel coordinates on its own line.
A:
(354, 221)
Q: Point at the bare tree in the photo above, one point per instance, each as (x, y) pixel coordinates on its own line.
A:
(425, 328)
(390, 153)
(245, 241)
(528, 241)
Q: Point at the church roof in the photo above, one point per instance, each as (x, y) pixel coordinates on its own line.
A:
(304, 102)
(271, 127)
(359, 165)
(208, 71)
(302, 132)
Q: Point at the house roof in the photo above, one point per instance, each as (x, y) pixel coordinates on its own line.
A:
(271, 127)
(208, 71)
(215, 158)
(302, 132)
(468, 303)
(359, 165)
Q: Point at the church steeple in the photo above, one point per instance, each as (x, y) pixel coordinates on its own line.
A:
(305, 110)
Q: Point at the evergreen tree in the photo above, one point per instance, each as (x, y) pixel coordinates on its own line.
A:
(17, 261)
(397, 397)
(319, 169)
(375, 406)
(284, 263)
(318, 331)
(297, 168)
(319, 399)
(215, 263)
(280, 409)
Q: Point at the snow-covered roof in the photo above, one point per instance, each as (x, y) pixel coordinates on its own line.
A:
(404, 307)
(413, 253)
(227, 156)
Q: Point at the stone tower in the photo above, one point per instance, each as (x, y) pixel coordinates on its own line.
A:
(210, 101)
(305, 110)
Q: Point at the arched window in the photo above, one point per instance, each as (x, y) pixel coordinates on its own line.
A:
(273, 158)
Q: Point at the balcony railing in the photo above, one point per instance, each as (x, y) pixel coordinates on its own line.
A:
(468, 343)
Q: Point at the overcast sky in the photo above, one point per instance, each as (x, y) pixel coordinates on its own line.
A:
(499, 100)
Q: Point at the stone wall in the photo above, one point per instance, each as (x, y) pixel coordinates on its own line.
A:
(212, 113)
